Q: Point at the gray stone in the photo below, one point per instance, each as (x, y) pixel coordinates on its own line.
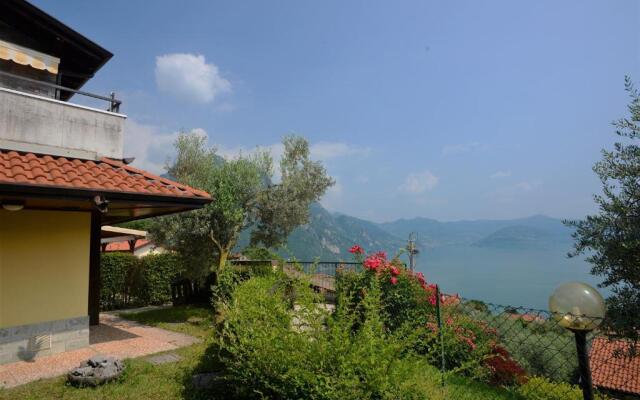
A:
(205, 380)
(66, 334)
(96, 371)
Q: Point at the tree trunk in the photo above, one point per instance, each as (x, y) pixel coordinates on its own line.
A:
(222, 260)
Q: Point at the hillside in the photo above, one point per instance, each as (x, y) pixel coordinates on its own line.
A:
(329, 236)
(487, 233)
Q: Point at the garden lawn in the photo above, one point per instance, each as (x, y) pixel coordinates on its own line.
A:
(171, 381)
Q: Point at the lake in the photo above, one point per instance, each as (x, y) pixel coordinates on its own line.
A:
(509, 277)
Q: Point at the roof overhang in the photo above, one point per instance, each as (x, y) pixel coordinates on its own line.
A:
(121, 206)
(24, 24)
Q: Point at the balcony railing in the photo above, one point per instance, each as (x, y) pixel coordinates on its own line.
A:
(114, 104)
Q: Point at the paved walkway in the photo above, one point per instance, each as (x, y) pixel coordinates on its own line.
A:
(114, 336)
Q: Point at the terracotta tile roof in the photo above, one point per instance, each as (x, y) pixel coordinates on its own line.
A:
(612, 368)
(106, 175)
(124, 245)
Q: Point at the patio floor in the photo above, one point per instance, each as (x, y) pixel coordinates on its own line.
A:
(114, 336)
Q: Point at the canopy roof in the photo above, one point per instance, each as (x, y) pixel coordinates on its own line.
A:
(123, 192)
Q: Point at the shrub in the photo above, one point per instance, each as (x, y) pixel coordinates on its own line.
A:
(229, 278)
(539, 388)
(157, 272)
(117, 273)
(275, 349)
(130, 281)
(408, 305)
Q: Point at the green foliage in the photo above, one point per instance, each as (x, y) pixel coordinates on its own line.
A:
(157, 272)
(244, 197)
(611, 238)
(118, 273)
(538, 388)
(230, 278)
(274, 350)
(283, 207)
(130, 281)
(260, 253)
(557, 360)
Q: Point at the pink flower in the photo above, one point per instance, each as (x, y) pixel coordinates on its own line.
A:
(395, 272)
(420, 278)
(394, 280)
(372, 263)
(356, 249)
(381, 255)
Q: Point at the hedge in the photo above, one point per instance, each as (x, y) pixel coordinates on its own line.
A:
(130, 281)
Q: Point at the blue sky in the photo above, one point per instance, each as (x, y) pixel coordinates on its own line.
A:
(450, 110)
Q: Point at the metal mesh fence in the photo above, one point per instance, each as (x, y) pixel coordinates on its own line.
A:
(530, 353)
(511, 351)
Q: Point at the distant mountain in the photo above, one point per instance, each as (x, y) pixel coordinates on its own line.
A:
(520, 237)
(486, 233)
(329, 236)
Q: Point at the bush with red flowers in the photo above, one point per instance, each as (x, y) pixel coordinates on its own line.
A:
(408, 303)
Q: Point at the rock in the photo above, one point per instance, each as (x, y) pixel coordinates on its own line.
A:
(204, 381)
(96, 371)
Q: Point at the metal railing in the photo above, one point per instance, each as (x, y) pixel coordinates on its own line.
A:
(114, 104)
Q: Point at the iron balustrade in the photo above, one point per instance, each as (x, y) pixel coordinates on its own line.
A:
(114, 104)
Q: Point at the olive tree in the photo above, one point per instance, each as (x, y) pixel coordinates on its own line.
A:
(244, 197)
(611, 238)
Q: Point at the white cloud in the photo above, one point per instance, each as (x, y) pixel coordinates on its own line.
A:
(332, 199)
(500, 174)
(150, 146)
(525, 186)
(509, 194)
(188, 76)
(419, 182)
(327, 150)
(461, 148)
(319, 151)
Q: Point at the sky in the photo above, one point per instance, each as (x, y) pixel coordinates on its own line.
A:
(448, 110)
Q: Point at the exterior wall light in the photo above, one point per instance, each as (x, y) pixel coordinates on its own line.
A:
(13, 206)
(579, 308)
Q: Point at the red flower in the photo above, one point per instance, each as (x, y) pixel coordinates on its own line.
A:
(395, 271)
(420, 278)
(372, 263)
(356, 250)
(394, 280)
(381, 255)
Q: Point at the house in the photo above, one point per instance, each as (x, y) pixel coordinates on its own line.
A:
(63, 175)
(123, 240)
(615, 368)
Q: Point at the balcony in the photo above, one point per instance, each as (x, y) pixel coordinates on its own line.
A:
(39, 124)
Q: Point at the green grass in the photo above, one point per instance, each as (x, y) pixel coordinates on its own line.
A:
(190, 320)
(171, 381)
(141, 380)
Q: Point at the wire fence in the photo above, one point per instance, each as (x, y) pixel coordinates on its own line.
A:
(530, 352)
(523, 352)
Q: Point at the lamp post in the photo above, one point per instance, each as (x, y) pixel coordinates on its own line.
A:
(579, 308)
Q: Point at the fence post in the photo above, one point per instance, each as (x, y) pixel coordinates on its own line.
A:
(441, 335)
(583, 364)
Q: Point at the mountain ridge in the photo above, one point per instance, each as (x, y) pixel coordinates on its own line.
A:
(328, 236)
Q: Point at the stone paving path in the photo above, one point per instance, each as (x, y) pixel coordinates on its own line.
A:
(114, 337)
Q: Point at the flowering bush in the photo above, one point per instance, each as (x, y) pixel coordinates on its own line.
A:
(408, 303)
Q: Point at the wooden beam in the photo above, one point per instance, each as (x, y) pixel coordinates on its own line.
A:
(94, 268)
